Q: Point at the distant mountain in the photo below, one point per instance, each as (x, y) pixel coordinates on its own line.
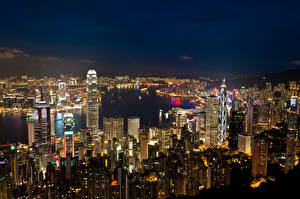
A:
(292, 74)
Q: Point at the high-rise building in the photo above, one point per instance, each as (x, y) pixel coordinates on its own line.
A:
(68, 127)
(290, 151)
(244, 143)
(236, 127)
(264, 117)
(133, 127)
(211, 136)
(42, 135)
(113, 128)
(143, 137)
(92, 103)
(52, 121)
(291, 135)
(259, 157)
(61, 91)
(68, 167)
(251, 118)
(30, 125)
(218, 171)
(222, 126)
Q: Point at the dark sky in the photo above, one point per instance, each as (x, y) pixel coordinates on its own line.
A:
(164, 37)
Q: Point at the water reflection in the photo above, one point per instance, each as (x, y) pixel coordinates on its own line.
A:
(115, 102)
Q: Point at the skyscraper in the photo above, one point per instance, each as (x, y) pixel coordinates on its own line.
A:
(61, 91)
(259, 157)
(291, 134)
(251, 118)
(133, 127)
(113, 128)
(211, 137)
(92, 104)
(68, 126)
(42, 132)
(30, 125)
(222, 127)
(236, 127)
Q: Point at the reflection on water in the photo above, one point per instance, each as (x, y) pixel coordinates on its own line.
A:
(115, 102)
(13, 128)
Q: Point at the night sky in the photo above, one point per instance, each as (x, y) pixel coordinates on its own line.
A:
(149, 37)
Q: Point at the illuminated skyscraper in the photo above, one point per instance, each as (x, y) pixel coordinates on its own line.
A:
(113, 128)
(291, 135)
(259, 157)
(30, 125)
(42, 137)
(211, 137)
(133, 127)
(61, 91)
(222, 127)
(68, 126)
(251, 118)
(52, 121)
(92, 104)
(143, 137)
(236, 127)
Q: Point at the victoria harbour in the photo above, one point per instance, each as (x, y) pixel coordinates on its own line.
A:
(122, 102)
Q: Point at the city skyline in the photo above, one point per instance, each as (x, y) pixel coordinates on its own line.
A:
(144, 137)
(149, 99)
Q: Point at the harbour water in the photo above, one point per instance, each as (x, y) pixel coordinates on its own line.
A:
(115, 102)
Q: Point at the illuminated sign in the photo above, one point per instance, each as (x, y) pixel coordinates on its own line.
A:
(68, 132)
(176, 101)
(12, 147)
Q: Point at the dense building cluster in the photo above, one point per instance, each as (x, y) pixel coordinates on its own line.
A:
(228, 137)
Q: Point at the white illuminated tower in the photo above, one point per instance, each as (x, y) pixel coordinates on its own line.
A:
(133, 127)
(222, 127)
(68, 126)
(92, 104)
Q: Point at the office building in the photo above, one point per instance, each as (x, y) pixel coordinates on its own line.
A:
(259, 157)
(244, 143)
(68, 128)
(222, 116)
(61, 91)
(92, 103)
(113, 128)
(133, 124)
(211, 136)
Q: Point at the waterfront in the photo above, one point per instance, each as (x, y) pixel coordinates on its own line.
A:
(115, 102)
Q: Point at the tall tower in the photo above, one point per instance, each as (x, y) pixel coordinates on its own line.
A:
(259, 157)
(222, 127)
(30, 125)
(68, 126)
(291, 135)
(133, 127)
(92, 104)
(211, 121)
(42, 133)
(251, 118)
(61, 91)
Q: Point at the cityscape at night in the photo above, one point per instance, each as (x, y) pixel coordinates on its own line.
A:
(145, 100)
